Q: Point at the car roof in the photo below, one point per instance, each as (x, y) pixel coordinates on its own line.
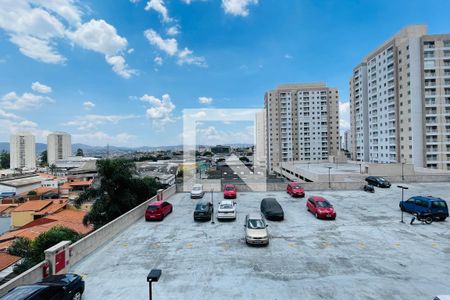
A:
(428, 198)
(254, 216)
(226, 202)
(318, 198)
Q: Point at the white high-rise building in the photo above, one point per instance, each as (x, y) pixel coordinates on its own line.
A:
(22, 151)
(59, 146)
(400, 101)
(260, 145)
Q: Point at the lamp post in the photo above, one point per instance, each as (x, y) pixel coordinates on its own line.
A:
(403, 188)
(212, 202)
(153, 276)
(403, 177)
(360, 164)
(329, 177)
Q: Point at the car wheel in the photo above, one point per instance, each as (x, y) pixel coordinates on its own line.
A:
(171, 210)
(77, 296)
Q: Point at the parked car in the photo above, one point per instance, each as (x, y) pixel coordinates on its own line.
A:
(203, 211)
(197, 191)
(61, 287)
(271, 209)
(369, 188)
(226, 210)
(158, 210)
(256, 230)
(378, 181)
(426, 205)
(321, 208)
(229, 191)
(295, 189)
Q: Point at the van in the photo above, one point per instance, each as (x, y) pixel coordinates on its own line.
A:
(437, 207)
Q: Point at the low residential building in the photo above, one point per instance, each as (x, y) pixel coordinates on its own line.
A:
(7, 262)
(73, 189)
(32, 210)
(22, 184)
(163, 172)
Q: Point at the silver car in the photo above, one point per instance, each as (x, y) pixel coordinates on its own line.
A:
(256, 230)
(197, 191)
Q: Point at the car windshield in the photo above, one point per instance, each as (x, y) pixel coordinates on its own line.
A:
(256, 224)
(323, 204)
(153, 207)
(226, 206)
(229, 188)
(438, 204)
(297, 187)
(201, 206)
(196, 188)
(381, 179)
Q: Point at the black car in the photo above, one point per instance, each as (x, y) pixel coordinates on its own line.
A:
(203, 211)
(369, 188)
(57, 287)
(378, 181)
(271, 209)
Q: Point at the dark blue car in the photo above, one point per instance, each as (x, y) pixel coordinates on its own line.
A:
(437, 207)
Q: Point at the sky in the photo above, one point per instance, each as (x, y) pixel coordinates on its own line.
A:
(122, 73)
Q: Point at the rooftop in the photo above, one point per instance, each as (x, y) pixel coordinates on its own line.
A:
(22, 181)
(365, 253)
(7, 260)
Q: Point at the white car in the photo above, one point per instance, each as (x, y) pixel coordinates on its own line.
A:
(226, 210)
(256, 232)
(197, 191)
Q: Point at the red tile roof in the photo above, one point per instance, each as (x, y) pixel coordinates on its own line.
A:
(4, 207)
(57, 205)
(33, 205)
(7, 260)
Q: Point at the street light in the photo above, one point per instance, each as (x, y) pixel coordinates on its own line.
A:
(153, 276)
(403, 188)
(212, 202)
(403, 163)
(360, 164)
(329, 177)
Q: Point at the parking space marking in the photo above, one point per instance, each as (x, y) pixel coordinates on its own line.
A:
(292, 245)
(189, 245)
(326, 245)
(125, 245)
(434, 245)
(397, 245)
(362, 245)
(156, 245)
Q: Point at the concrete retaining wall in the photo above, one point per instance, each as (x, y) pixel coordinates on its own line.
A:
(89, 243)
(30, 276)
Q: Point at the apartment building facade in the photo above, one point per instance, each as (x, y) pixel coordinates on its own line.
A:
(260, 139)
(302, 123)
(400, 101)
(59, 146)
(22, 151)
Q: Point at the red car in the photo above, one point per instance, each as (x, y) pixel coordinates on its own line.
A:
(158, 210)
(321, 208)
(295, 190)
(229, 191)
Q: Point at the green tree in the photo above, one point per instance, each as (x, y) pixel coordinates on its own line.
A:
(44, 161)
(32, 252)
(52, 168)
(32, 193)
(4, 160)
(80, 152)
(208, 153)
(118, 192)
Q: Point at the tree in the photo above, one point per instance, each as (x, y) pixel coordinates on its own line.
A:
(208, 153)
(52, 168)
(118, 192)
(32, 193)
(80, 152)
(32, 252)
(44, 161)
(4, 160)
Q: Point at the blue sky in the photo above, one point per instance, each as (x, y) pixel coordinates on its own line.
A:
(122, 74)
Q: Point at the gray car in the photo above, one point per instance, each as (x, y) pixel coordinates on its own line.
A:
(256, 232)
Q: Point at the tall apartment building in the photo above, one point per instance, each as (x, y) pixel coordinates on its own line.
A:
(22, 151)
(59, 146)
(302, 123)
(260, 137)
(400, 101)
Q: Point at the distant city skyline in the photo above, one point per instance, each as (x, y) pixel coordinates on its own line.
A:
(152, 59)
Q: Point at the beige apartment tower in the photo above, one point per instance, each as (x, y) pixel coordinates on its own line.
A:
(22, 151)
(400, 101)
(59, 146)
(302, 123)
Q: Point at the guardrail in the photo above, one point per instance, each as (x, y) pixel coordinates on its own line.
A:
(89, 243)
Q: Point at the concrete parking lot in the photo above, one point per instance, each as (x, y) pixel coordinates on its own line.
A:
(365, 254)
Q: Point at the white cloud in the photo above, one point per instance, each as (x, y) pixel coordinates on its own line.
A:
(89, 122)
(131, 50)
(161, 109)
(186, 57)
(120, 66)
(205, 100)
(237, 7)
(173, 30)
(23, 102)
(38, 49)
(41, 88)
(158, 60)
(158, 6)
(88, 105)
(288, 56)
(344, 116)
(9, 116)
(210, 135)
(64, 8)
(170, 46)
